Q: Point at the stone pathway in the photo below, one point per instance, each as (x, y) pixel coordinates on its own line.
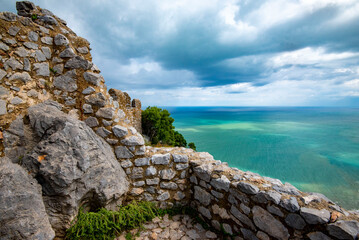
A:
(179, 227)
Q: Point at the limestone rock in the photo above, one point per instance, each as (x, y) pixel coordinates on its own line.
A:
(295, 221)
(134, 140)
(161, 159)
(290, 204)
(248, 234)
(33, 36)
(4, 47)
(87, 108)
(74, 165)
(344, 229)
(123, 152)
(119, 131)
(66, 82)
(205, 212)
(47, 40)
(8, 16)
(67, 53)
(178, 158)
(247, 188)
(107, 113)
(47, 19)
(318, 236)
(25, 8)
(96, 99)
(93, 78)
(47, 52)
(267, 223)
(221, 183)
(167, 174)
(151, 171)
(22, 52)
(3, 109)
(24, 77)
(103, 132)
(16, 101)
(42, 69)
(78, 62)
(168, 185)
(153, 181)
(314, 216)
(91, 122)
(61, 40)
(88, 90)
(31, 45)
(13, 64)
(22, 211)
(241, 217)
(164, 196)
(182, 166)
(204, 171)
(202, 196)
(139, 162)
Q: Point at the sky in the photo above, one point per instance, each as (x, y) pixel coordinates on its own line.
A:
(221, 52)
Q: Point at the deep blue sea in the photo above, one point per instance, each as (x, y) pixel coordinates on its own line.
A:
(315, 149)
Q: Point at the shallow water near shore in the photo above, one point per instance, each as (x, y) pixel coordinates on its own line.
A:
(315, 149)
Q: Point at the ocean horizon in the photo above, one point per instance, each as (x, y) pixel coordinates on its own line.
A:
(313, 148)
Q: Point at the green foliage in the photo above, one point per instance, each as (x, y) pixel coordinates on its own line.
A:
(157, 125)
(106, 224)
(129, 236)
(34, 17)
(192, 145)
(53, 70)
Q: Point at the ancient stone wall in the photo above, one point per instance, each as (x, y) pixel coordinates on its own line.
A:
(240, 203)
(41, 59)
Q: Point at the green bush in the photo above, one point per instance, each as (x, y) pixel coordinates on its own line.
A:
(157, 125)
(192, 145)
(106, 224)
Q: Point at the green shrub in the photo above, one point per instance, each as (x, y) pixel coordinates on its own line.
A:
(106, 224)
(192, 145)
(157, 125)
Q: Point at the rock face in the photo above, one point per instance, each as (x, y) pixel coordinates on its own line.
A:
(74, 166)
(22, 211)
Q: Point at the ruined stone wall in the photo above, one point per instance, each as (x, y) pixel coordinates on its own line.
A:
(241, 203)
(42, 59)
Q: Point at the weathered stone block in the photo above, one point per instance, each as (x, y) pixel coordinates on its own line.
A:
(267, 223)
(161, 159)
(202, 196)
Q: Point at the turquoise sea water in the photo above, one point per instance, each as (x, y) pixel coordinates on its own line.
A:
(315, 149)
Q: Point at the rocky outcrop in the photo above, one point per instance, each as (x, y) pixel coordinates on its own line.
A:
(22, 211)
(74, 166)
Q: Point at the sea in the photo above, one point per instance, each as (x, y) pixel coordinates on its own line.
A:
(315, 149)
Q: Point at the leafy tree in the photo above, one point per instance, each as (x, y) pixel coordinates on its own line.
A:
(157, 125)
(192, 145)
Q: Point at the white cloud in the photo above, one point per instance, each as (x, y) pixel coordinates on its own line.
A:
(308, 56)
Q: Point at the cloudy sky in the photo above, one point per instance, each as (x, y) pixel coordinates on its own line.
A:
(222, 52)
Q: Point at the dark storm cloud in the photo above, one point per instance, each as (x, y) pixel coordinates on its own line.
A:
(170, 45)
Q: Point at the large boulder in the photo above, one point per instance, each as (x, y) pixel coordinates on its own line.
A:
(74, 166)
(22, 211)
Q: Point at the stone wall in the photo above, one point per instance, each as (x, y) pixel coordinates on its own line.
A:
(240, 203)
(43, 59)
